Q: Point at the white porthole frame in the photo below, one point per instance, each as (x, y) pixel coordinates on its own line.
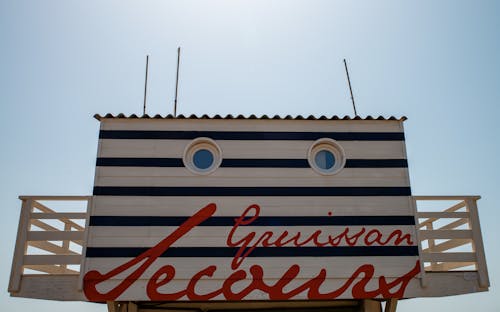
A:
(331, 146)
(200, 144)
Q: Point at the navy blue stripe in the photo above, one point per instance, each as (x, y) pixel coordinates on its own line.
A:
(261, 221)
(111, 252)
(251, 135)
(265, 163)
(250, 191)
(247, 163)
(139, 162)
(376, 163)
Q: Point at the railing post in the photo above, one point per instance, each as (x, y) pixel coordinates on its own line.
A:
(477, 242)
(423, 281)
(66, 243)
(432, 243)
(21, 245)
(90, 203)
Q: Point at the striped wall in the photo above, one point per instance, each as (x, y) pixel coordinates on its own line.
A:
(262, 226)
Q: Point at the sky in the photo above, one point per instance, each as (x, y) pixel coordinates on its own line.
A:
(436, 62)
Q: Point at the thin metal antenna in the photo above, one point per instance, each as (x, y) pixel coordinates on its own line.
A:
(177, 80)
(145, 86)
(350, 88)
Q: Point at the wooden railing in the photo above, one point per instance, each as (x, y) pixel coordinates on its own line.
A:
(450, 237)
(49, 241)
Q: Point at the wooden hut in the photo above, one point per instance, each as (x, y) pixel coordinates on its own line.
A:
(247, 213)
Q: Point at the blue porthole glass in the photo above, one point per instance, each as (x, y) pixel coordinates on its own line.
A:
(324, 159)
(203, 159)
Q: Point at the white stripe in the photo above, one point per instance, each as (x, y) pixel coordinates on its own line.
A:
(255, 125)
(137, 290)
(270, 206)
(249, 149)
(338, 267)
(216, 236)
(346, 178)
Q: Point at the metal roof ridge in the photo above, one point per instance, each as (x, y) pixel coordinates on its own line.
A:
(252, 116)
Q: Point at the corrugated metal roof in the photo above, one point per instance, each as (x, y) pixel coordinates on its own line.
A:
(275, 117)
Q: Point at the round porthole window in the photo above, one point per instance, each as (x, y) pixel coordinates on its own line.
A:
(203, 159)
(326, 156)
(202, 156)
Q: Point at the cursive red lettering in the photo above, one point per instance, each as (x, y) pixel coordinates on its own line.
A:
(398, 238)
(279, 290)
(191, 292)
(92, 278)
(162, 277)
(372, 237)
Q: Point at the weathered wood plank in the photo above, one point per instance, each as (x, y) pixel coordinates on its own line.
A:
(447, 197)
(58, 215)
(249, 149)
(170, 172)
(50, 287)
(477, 239)
(21, 246)
(327, 305)
(443, 215)
(256, 182)
(133, 236)
(270, 206)
(56, 197)
(55, 235)
(253, 125)
(444, 234)
(90, 208)
(51, 259)
(63, 287)
(205, 286)
(51, 269)
(340, 267)
(390, 305)
(448, 266)
(448, 257)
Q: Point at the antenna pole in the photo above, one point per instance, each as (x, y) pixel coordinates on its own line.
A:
(177, 80)
(145, 86)
(350, 88)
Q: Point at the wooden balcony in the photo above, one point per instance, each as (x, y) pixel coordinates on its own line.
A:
(50, 240)
(48, 252)
(450, 238)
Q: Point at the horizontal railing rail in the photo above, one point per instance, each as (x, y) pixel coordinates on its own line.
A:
(49, 241)
(450, 237)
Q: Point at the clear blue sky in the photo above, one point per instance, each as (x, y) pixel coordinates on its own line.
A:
(437, 62)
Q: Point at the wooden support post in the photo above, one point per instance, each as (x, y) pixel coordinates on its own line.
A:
(112, 306)
(477, 242)
(390, 305)
(132, 307)
(117, 306)
(21, 245)
(370, 305)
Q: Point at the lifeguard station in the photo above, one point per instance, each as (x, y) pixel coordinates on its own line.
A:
(249, 213)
